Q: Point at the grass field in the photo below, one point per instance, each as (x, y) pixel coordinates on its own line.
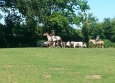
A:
(57, 65)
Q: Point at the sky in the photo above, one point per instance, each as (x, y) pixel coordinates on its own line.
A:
(100, 8)
(1, 20)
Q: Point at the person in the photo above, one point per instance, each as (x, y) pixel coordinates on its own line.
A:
(52, 34)
(97, 39)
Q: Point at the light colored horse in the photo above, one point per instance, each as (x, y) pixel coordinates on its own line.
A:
(79, 44)
(57, 40)
(100, 43)
(68, 44)
(42, 44)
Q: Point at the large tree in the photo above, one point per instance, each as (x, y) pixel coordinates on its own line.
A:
(109, 28)
(88, 25)
(52, 13)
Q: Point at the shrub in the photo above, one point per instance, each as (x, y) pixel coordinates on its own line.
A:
(90, 45)
(109, 44)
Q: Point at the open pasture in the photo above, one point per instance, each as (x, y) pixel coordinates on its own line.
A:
(57, 65)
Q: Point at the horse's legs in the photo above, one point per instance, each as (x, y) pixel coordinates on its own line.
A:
(61, 44)
(95, 46)
(51, 44)
(57, 43)
(54, 44)
(101, 45)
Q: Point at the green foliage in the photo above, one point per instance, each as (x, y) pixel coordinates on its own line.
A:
(43, 9)
(83, 5)
(113, 30)
(90, 45)
(80, 36)
(109, 44)
(2, 39)
(107, 28)
(85, 32)
(59, 19)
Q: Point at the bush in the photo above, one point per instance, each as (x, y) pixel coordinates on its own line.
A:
(109, 44)
(90, 45)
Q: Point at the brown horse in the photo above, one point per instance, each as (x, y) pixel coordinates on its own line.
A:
(56, 41)
(100, 43)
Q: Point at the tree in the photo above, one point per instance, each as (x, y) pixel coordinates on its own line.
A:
(43, 10)
(113, 30)
(88, 25)
(109, 28)
(50, 14)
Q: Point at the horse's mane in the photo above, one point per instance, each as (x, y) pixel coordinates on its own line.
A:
(47, 33)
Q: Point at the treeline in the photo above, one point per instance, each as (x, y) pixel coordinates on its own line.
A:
(27, 20)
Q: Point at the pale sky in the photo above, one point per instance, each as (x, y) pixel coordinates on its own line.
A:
(1, 20)
(102, 8)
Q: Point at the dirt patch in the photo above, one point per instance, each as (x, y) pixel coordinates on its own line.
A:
(46, 76)
(93, 77)
(57, 69)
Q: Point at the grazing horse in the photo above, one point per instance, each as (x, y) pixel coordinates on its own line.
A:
(79, 44)
(100, 43)
(55, 41)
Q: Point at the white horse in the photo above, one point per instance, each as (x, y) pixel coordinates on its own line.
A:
(68, 44)
(42, 44)
(79, 44)
(57, 40)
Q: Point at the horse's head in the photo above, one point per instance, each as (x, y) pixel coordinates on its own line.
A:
(45, 34)
(90, 40)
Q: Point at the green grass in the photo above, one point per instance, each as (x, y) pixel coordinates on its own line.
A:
(57, 65)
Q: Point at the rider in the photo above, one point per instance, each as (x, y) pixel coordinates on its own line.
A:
(97, 39)
(52, 34)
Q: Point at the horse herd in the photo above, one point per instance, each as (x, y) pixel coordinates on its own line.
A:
(68, 44)
(57, 42)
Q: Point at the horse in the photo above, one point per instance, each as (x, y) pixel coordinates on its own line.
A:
(78, 44)
(100, 43)
(56, 41)
(68, 44)
(42, 44)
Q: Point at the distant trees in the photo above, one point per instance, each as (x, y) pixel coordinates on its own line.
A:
(27, 20)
